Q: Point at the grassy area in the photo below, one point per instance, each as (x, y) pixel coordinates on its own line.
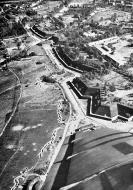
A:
(37, 126)
(9, 93)
(108, 15)
(111, 84)
(35, 119)
(122, 49)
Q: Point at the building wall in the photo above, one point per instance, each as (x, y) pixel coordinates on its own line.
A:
(96, 101)
(124, 111)
(74, 64)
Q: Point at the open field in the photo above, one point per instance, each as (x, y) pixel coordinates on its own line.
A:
(122, 50)
(49, 6)
(28, 133)
(9, 93)
(34, 121)
(103, 16)
(111, 77)
(121, 45)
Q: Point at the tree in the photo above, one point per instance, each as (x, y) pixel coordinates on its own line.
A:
(113, 18)
(131, 59)
(18, 43)
(112, 87)
(5, 56)
(47, 79)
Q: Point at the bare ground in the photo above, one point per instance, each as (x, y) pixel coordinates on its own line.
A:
(34, 121)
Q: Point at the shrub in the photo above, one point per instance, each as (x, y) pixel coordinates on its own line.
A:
(47, 79)
(38, 63)
(32, 54)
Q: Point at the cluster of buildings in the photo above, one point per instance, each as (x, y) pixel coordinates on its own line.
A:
(94, 106)
(92, 95)
(88, 3)
(124, 3)
(83, 3)
(79, 3)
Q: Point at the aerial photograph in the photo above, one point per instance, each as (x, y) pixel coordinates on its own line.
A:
(66, 94)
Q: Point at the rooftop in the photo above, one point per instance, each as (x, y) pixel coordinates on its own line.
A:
(81, 2)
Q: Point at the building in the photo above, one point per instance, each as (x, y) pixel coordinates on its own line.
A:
(80, 4)
(94, 98)
(88, 93)
(128, 4)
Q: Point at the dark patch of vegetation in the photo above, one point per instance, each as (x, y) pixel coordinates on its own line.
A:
(40, 171)
(18, 69)
(7, 116)
(7, 29)
(130, 45)
(38, 63)
(47, 79)
(32, 54)
(39, 44)
(31, 12)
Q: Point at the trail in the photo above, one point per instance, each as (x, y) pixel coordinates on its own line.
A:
(15, 108)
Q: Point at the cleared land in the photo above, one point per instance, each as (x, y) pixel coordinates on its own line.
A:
(34, 121)
(103, 16)
(9, 93)
(49, 6)
(121, 45)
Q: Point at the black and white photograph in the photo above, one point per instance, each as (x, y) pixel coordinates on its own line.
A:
(66, 94)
